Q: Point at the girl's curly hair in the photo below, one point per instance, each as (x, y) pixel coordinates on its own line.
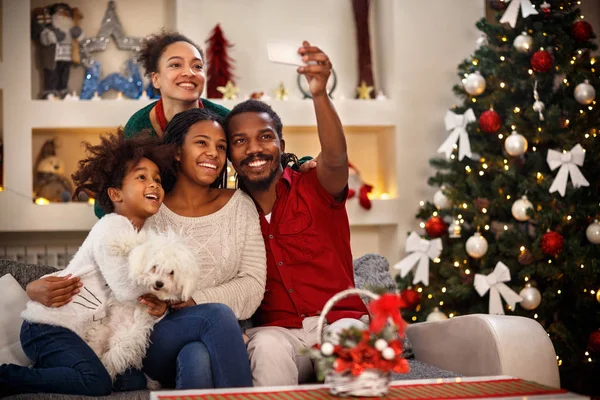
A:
(154, 46)
(108, 162)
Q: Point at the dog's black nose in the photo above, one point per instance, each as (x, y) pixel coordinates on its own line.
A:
(159, 284)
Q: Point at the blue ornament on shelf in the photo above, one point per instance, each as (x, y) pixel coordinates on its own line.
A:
(152, 92)
(131, 86)
(90, 81)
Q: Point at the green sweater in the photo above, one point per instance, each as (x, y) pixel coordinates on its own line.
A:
(141, 120)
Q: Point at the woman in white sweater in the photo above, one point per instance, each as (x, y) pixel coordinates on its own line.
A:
(223, 226)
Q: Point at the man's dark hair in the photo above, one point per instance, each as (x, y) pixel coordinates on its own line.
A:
(175, 134)
(107, 163)
(257, 106)
(154, 46)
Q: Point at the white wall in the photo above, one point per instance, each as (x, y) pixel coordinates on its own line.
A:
(250, 25)
(430, 39)
(417, 46)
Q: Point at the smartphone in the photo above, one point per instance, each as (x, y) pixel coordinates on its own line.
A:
(282, 53)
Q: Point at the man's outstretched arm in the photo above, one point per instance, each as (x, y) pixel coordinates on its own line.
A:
(332, 168)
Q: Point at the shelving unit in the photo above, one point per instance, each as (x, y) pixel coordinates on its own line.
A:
(382, 134)
(86, 113)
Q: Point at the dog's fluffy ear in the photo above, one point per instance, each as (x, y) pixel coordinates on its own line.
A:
(138, 260)
(187, 271)
(124, 242)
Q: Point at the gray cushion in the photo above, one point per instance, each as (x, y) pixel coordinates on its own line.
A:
(24, 273)
(372, 271)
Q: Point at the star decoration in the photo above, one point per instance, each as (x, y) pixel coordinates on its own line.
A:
(364, 91)
(110, 26)
(281, 93)
(229, 91)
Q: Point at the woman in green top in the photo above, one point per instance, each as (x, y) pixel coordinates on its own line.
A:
(176, 67)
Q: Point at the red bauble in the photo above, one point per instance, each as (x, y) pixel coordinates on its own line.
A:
(582, 31)
(435, 227)
(490, 121)
(594, 341)
(541, 61)
(552, 243)
(411, 297)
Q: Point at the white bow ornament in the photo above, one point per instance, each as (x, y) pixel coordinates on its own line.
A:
(494, 283)
(422, 251)
(458, 124)
(512, 12)
(569, 163)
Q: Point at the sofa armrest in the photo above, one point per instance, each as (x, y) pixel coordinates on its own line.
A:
(481, 344)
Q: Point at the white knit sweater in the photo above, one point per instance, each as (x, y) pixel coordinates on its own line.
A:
(100, 271)
(230, 249)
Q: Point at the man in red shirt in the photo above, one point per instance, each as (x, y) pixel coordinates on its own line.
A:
(304, 224)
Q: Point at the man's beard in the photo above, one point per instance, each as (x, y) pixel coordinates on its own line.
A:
(262, 184)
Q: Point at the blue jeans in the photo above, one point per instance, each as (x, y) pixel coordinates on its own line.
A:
(63, 363)
(198, 347)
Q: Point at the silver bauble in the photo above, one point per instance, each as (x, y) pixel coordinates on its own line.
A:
(476, 246)
(538, 106)
(475, 84)
(454, 229)
(481, 41)
(515, 144)
(436, 315)
(531, 297)
(440, 200)
(593, 232)
(523, 43)
(585, 93)
(519, 209)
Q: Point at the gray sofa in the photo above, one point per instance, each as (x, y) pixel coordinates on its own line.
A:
(472, 345)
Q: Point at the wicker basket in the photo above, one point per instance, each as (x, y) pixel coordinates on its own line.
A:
(370, 383)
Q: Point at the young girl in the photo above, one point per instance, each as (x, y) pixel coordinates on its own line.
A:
(124, 177)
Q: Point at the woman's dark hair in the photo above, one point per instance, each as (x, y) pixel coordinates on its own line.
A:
(107, 163)
(175, 134)
(153, 47)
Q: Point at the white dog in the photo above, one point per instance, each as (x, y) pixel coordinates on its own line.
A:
(160, 264)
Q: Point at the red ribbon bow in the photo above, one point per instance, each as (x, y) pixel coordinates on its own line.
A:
(387, 307)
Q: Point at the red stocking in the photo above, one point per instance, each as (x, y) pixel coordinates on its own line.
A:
(363, 199)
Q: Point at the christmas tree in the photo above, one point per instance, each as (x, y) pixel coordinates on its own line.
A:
(219, 63)
(519, 183)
